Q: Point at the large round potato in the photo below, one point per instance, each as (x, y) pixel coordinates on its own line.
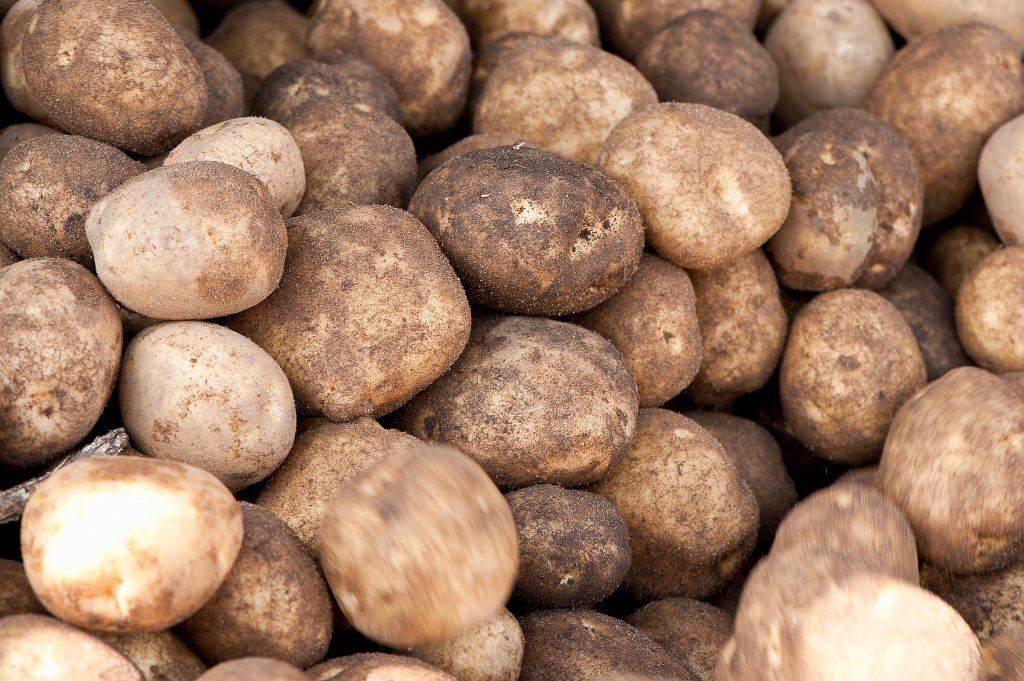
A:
(39, 648)
(988, 311)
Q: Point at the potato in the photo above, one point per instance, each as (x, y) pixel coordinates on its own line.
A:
(948, 464)
(180, 15)
(168, 247)
(533, 401)
(912, 18)
(1000, 169)
(586, 235)
(492, 651)
(561, 95)
(710, 58)
(420, 45)
(573, 546)
(990, 602)
(653, 322)
(928, 309)
(13, 135)
(850, 362)
(419, 548)
(742, 327)
(956, 252)
(988, 318)
(982, 65)
(258, 146)
(38, 648)
(7, 257)
(486, 60)
(253, 669)
(490, 20)
(160, 656)
(862, 475)
(691, 631)
(89, 65)
(730, 187)
(257, 37)
(466, 145)
(828, 52)
(582, 644)
(692, 521)
(12, 71)
(16, 595)
(225, 93)
(391, 313)
(1003, 656)
(374, 666)
(47, 186)
(163, 533)
(59, 354)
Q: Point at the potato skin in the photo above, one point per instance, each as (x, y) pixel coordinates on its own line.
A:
(1003, 656)
(258, 36)
(484, 140)
(988, 317)
(39, 648)
(490, 20)
(912, 18)
(1000, 170)
(956, 252)
(16, 595)
(13, 135)
(492, 651)
(990, 602)
(225, 93)
(692, 631)
(371, 666)
(252, 668)
(12, 69)
(160, 655)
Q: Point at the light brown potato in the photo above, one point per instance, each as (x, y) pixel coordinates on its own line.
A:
(38, 648)
(730, 186)
(691, 631)
(179, 14)
(258, 146)
(1003, 655)
(392, 314)
(982, 65)
(948, 463)
(374, 666)
(490, 20)
(47, 187)
(258, 36)
(586, 235)
(207, 254)
(912, 18)
(653, 322)
(493, 651)
(989, 319)
(956, 252)
(533, 401)
(991, 602)
(692, 521)
(563, 96)
(16, 595)
(466, 145)
(742, 328)
(419, 548)
(485, 60)
(1000, 172)
(164, 533)
(13, 135)
(850, 362)
(12, 71)
(225, 94)
(253, 669)
(573, 546)
(420, 45)
(59, 355)
(160, 655)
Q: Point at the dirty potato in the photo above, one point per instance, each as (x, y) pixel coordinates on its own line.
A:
(988, 311)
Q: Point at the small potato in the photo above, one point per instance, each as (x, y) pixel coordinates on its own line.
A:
(47, 187)
(1003, 655)
(391, 313)
(207, 253)
(573, 546)
(729, 185)
(492, 651)
(38, 648)
(466, 145)
(13, 135)
(12, 70)
(180, 15)
(912, 18)
(691, 631)
(419, 548)
(533, 401)
(16, 595)
(991, 602)
(561, 95)
(1000, 172)
(692, 521)
(653, 322)
(253, 669)
(376, 667)
(956, 252)
(257, 37)
(164, 533)
(160, 655)
(850, 362)
(989, 320)
(260, 147)
(59, 354)
(490, 20)
(225, 93)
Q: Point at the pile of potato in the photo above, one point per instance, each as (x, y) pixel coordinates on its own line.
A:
(485, 340)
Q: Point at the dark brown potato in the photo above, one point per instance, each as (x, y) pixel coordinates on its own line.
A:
(691, 631)
(991, 602)
(258, 36)
(956, 252)
(573, 546)
(225, 92)
(1003, 655)
(466, 145)
(253, 669)
(989, 320)
(16, 595)
(159, 655)
(13, 135)
(534, 401)
(530, 232)
(38, 648)
(376, 667)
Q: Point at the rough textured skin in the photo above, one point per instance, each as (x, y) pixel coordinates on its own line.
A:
(368, 313)
(59, 354)
(419, 548)
(7, 256)
(13, 135)
(829, 234)
(709, 185)
(758, 461)
(982, 65)
(530, 232)
(1003, 655)
(742, 327)
(169, 535)
(561, 95)
(928, 309)
(1000, 173)
(582, 644)
(490, 20)
(258, 146)
(159, 655)
(900, 188)
(12, 72)
(466, 145)
(274, 601)
(828, 52)
(492, 651)
(533, 401)
(352, 156)
(912, 18)
(949, 463)
(573, 545)
(691, 631)
(653, 322)
(204, 395)
(989, 314)
(710, 58)
(992, 603)
(225, 93)
(168, 247)
(486, 59)
(179, 14)
(114, 71)
(16, 596)
(253, 669)
(850, 362)
(692, 521)
(420, 45)
(376, 667)
(956, 252)
(38, 648)
(47, 186)
(259, 36)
